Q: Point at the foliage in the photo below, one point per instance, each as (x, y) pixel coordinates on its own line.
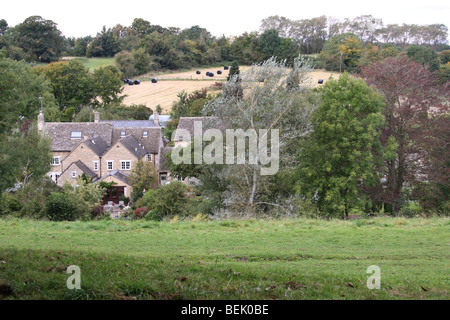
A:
(413, 103)
(340, 154)
(105, 44)
(24, 157)
(71, 83)
(153, 215)
(342, 52)
(443, 74)
(169, 199)
(39, 38)
(107, 85)
(444, 56)
(20, 89)
(283, 102)
(59, 207)
(140, 213)
(133, 63)
(143, 176)
(32, 197)
(115, 112)
(423, 55)
(86, 196)
(9, 204)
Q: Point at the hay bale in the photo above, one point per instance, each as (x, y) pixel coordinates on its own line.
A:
(198, 72)
(137, 82)
(320, 81)
(219, 72)
(130, 82)
(154, 80)
(226, 68)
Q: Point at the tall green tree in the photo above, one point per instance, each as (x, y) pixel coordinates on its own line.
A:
(338, 157)
(39, 38)
(24, 157)
(107, 84)
(423, 55)
(20, 89)
(71, 83)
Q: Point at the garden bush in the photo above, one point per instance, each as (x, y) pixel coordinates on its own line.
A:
(59, 207)
(153, 215)
(169, 200)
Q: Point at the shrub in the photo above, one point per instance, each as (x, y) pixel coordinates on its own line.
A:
(411, 209)
(86, 196)
(9, 204)
(140, 212)
(98, 212)
(169, 200)
(58, 207)
(153, 215)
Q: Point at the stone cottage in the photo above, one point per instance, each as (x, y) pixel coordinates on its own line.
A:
(103, 150)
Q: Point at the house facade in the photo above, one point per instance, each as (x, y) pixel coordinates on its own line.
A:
(103, 150)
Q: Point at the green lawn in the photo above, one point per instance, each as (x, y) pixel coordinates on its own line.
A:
(95, 63)
(250, 259)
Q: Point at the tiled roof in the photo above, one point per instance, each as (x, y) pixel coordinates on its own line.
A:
(85, 169)
(103, 135)
(82, 167)
(117, 174)
(97, 144)
(151, 142)
(61, 133)
(134, 146)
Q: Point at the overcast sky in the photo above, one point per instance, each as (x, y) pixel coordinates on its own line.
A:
(230, 17)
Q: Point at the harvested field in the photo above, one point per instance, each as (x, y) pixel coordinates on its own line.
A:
(169, 85)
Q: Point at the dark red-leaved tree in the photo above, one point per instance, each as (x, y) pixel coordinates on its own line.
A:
(414, 101)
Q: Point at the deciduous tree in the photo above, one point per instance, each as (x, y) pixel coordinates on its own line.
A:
(339, 156)
(412, 100)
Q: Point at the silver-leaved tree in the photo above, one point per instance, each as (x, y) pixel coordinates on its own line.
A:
(262, 113)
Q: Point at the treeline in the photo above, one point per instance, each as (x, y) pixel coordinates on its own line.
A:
(143, 46)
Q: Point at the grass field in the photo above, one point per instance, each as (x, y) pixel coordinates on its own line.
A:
(93, 63)
(249, 259)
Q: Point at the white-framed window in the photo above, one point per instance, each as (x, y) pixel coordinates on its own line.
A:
(125, 165)
(110, 165)
(56, 161)
(74, 174)
(149, 157)
(123, 133)
(95, 165)
(145, 134)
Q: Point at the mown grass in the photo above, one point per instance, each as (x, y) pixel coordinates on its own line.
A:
(94, 63)
(249, 259)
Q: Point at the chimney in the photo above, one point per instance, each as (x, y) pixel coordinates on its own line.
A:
(40, 122)
(96, 117)
(156, 118)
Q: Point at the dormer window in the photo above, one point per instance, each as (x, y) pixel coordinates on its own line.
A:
(145, 134)
(75, 135)
(122, 134)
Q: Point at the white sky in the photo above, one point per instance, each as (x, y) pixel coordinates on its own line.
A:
(78, 18)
